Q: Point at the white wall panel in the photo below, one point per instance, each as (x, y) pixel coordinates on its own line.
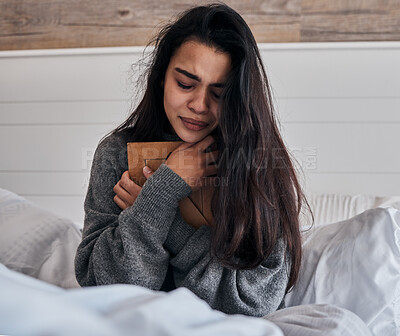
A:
(341, 147)
(64, 112)
(347, 110)
(341, 72)
(347, 183)
(339, 104)
(46, 183)
(66, 78)
(48, 148)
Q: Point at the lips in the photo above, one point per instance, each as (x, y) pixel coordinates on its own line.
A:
(193, 125)
(194, 122)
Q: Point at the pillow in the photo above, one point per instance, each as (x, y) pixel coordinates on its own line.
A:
(36, 242)
(355, 264)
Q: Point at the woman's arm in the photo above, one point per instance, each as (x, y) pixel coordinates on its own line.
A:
(126, 246)
(255, 292)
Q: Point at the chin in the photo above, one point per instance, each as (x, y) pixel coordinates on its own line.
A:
(192, 138)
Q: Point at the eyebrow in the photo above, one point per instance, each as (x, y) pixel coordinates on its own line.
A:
(197, 78)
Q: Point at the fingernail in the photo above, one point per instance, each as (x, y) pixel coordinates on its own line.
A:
(146, 169)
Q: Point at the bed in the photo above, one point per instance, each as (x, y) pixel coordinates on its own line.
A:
(342, 273)
(56, 105)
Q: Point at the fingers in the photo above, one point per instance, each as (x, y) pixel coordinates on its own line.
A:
(211, 170)
(205, 143)
(211, 157)
(191, 161)
(121, 191)
(120, 202)
(147, 172)
(183, 147)
(122, 198)
(126, 191)
(125, 182)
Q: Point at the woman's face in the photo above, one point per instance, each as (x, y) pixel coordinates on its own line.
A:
(193, 84)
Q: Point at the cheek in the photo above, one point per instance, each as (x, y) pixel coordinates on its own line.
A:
(215, 111)
(167, 97)
(173, 99)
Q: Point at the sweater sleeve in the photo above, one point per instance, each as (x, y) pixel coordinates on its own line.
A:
(126, 246)
(255, 292)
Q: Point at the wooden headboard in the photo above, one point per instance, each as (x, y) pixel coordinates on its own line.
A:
(338, 103)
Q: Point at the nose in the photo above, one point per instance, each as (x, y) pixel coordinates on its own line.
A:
(199, 102)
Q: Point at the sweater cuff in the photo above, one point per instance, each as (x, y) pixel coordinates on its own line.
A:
(159, 197)
(178, 235)
(167, 184)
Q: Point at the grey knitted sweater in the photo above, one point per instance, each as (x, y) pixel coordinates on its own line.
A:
(150, 245)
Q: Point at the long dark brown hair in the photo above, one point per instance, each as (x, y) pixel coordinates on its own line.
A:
(260, 199)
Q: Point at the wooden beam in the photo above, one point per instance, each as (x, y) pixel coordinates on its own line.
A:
(40, 24)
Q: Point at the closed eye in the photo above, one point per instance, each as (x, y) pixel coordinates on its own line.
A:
(216, 96)
(185, 87)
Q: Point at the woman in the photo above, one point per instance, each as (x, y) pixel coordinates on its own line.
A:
(206, 86)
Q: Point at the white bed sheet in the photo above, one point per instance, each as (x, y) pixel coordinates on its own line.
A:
(45, 245)
(32, 307)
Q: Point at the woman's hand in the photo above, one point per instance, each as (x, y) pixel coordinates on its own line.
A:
(127, 191)
(193, 164)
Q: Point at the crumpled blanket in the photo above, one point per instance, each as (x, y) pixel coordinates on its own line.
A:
(33, 307)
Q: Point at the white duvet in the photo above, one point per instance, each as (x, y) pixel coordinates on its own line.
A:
(35, 308)
(353, 264)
